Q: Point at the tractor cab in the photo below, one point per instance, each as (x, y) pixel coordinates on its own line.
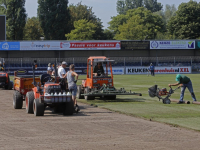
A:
(99, 72)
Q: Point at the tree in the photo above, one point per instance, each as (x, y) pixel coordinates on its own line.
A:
(15, 18)
(79, 12)
(140, 24)
(53, 17)
(108, 35)
(33, 30)
(186, 23)
(84, 30)
(124, 5)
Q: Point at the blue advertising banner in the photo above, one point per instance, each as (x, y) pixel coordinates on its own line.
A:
(6, 46)
(182, 44)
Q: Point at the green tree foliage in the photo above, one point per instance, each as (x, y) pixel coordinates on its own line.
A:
(53, 17)
(84, 30)
(137, 24)
(108, 34)
(186, 23)
(79, 12)
(124, 5)
(15, 18)
(33, 30)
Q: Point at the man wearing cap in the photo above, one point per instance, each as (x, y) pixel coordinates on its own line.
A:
(62, 74)
(183, 82)
(49, 69)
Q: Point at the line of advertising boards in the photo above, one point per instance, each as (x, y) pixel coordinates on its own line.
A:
(98, 45)
(116, 70)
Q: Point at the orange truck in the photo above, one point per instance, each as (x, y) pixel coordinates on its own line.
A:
(99, 81)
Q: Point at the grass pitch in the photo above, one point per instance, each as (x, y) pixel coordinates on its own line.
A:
(184, 115)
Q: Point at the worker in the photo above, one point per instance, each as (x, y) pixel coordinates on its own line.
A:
(1, 67)
(72, 78)
(183, 82)
(98, 69)
(62, 74)
(49, 69)
(151, 68)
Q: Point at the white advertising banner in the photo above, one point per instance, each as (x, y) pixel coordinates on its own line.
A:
(183, 44)
(159, 70)
(115, 70)
(39, 45)
(89, 45)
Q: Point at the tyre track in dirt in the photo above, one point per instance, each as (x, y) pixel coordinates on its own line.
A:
(92, 128)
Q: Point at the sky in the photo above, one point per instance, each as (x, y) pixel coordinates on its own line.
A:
(103, 9)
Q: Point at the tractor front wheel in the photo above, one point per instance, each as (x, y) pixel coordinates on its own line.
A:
(17, 100)
(29, 102)
(87, 97)
(38, 108)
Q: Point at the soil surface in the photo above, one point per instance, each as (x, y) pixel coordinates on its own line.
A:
(92, 128)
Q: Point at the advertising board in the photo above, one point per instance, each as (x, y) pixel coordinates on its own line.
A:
(39, 45)
(182, 44)
(6, 46)
(159, 70)
(135, 45)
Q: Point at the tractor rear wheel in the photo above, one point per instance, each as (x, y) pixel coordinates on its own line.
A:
(78, 94)
(38, 108)
(88, 97)
(17, 100)
(69, 108)
(10, 85)
(29, 102)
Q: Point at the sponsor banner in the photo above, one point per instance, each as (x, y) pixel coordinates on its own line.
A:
(197, 44)
(9, 46)
(135, 45)
(39, 71)
(90, 45)
(159, 70)
(183, 44)
(115, 70)
(39, 45)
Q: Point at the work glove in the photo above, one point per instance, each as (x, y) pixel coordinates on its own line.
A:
(75, 81)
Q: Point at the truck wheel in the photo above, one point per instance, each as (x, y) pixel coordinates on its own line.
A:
(88, 97)
(38, 108)
(17, 100)
(29, 102)
(69, 108)
(78, 94)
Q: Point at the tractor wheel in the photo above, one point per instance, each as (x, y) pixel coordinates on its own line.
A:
(113, 97)
(78, 94)
(59, 108)
(69, 108)
(17, 100)
(10, 85)
(38, 108)
(88, 97)
(29, 102)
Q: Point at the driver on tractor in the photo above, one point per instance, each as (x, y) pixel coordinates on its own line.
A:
(1, 67)
(98, 70)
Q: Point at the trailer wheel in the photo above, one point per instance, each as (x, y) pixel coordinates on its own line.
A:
(38, 108)
(17, 100)
(69, 108)
(87, 97)
(78, 94)
(29, 102)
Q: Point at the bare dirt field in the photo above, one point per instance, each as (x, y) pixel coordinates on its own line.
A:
(92, 128)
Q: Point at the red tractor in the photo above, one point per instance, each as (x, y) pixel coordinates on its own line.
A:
(5, 79)
(47, 93)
